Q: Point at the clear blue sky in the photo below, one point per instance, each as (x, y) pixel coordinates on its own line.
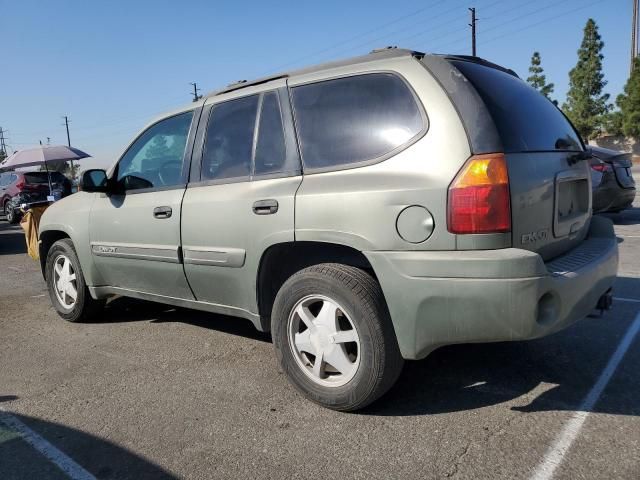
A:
(112, 65)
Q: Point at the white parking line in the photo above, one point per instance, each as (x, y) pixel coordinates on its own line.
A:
(63, 462)
(623, 299)
(554, 456)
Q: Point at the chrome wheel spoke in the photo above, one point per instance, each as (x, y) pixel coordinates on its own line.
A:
(338, 359)
(327, 315)
(303, 342)
(345, 336)
(72, 292)
(317, 365)
(306, 316)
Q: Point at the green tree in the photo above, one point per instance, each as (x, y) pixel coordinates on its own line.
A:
(586, 105)
(538, 79)
(629, 103)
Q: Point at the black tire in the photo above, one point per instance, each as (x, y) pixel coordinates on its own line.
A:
(360, 295)
(85, 307)
(10, 213)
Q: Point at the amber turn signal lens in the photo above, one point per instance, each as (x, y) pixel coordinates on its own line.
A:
(478, 199)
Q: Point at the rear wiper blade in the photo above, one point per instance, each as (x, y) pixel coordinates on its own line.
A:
(587, 154)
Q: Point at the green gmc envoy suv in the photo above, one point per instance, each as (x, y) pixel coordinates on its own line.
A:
(364, 211)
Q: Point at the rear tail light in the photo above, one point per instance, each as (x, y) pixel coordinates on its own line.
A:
(478, 200)
(20, 184)
(601, 167)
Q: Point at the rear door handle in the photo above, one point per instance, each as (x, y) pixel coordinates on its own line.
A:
(265, 207)
(162, 212)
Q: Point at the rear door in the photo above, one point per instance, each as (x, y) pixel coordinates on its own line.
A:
(549, 180)
(240, 200)
(135, 234)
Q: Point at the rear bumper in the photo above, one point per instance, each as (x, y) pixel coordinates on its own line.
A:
(441, 298)
(609, 196)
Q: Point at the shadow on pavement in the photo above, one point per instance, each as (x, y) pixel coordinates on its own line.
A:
(7, 398)
(102, 458)
(630, 216)
(122, 309)
(12, 240)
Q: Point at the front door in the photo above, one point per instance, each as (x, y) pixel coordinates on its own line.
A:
(135, 235)
(241, 198)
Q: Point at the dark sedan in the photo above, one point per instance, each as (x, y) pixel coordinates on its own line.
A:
(614, 188)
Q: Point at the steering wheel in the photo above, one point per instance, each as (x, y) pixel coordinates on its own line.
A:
(169, 172)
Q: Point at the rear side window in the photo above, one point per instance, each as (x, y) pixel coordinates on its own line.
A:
(354, 119)
(229, 139)
(270, 147)
(526, 120)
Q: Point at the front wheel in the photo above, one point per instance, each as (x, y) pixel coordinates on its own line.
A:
(66, 284)
(334, 338)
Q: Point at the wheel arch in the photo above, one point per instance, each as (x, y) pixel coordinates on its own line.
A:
(281, 260)
(46, 239)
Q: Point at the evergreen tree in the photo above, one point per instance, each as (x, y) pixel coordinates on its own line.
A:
(538, 79)
(629, 103)
(586, 105)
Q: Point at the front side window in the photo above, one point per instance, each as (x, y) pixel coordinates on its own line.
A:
(354, 119)
(155, 159)
(229, 139)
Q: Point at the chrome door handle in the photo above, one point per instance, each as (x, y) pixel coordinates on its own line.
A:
(162, 212)
(265, 207)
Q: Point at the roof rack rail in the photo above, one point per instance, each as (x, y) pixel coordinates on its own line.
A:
(244, 83)
(378, 50)
(413, 53)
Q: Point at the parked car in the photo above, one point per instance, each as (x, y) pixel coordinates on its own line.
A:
(366, 212)
(614, 188)
(17, 188)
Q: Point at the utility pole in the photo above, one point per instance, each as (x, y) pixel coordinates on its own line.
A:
(196, 97)
(3, 146)
(66, 124)
(634, 34)
(473, 31)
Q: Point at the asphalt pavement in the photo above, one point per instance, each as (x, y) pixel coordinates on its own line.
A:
(150, 391)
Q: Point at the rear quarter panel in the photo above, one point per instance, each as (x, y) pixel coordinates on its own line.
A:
(358, 207)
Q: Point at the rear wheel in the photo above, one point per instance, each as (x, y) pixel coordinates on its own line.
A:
(10, 213)
(66, 284)
(334, 338)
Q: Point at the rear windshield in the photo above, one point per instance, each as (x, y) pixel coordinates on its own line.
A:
(41, 177)
(526, 120)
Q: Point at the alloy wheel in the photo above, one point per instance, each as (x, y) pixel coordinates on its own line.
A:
(324, 341)
(64, 281)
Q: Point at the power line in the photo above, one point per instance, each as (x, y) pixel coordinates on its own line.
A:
(544, 20)
(358, 36)
(509, 21)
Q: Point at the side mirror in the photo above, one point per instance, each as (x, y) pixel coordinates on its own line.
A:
(94, 180)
